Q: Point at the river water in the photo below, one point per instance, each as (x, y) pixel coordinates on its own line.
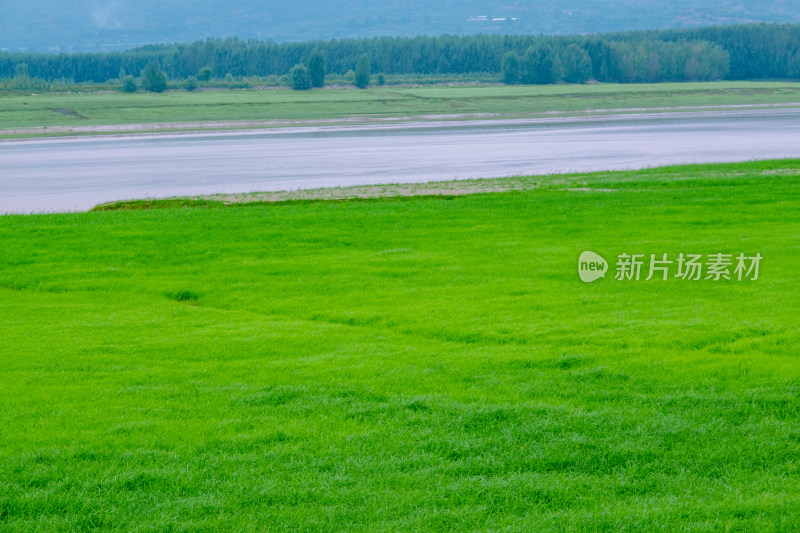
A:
(71, 174)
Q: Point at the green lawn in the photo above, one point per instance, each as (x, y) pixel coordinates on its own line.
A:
(407, 364)
(79, 110)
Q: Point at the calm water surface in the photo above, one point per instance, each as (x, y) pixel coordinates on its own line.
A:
(76, 174)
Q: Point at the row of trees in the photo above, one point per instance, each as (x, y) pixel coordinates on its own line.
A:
(303, 78)
(730, 52)
(626, 62)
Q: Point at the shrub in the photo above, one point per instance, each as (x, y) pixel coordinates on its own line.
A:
(154, 79)
(300, 78)
(191, 84)
(204, 74)
(129, 84)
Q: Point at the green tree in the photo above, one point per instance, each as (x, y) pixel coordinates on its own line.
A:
(600, 55)
(21, 71)
(316, 68)
(363, 72)
(541, 66)
(204, 74)
(129, 84)
(511, 68)
(715, 61)
(191, 84)
(577, 64)
(22, 78)
(793, 68)
(154, 79)
(300, 78)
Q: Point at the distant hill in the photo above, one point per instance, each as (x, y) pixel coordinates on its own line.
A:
(105, 25)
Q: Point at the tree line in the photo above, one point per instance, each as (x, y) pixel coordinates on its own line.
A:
(753, 51)
(613, 61)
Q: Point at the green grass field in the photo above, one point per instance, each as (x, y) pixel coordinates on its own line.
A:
(83, 110)
(420, 364)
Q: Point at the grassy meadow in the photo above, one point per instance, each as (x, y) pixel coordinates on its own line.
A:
(407, 364)
(54, 110)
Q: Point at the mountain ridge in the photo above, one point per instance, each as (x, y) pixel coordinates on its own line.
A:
(94, 25)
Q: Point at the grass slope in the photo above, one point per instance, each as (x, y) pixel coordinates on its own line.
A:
(406, 364)
(82, 110)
